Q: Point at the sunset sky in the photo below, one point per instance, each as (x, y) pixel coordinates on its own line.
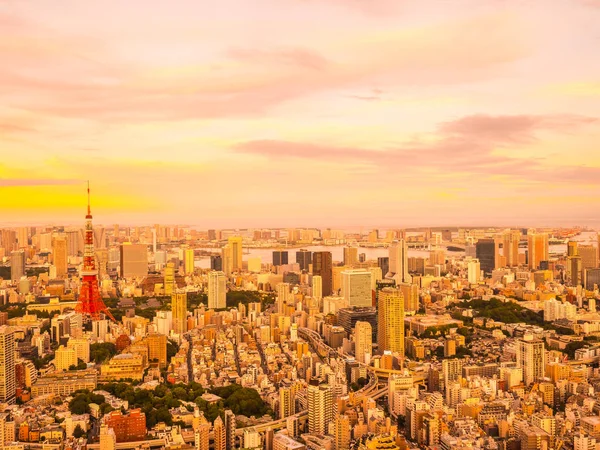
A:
(244, 113)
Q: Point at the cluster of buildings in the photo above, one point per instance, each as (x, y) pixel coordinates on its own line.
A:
(478, 339)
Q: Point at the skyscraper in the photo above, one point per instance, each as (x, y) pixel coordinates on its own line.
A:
(410, 292)
(216, 263)
(320, 407)
(8, 383)
(60, 255)
(531, 356)
(230, 426)
(384, 263)
(537, 249)
(235, 243)
(589, 256)
(220, 436)
(473, 271)
(390, 332)
(399, 261)
(342, 432)
(134, 260)
(304, 259)
(286, 402)
(17, 265)
(485, 250)
(179, 311)
(188, 261)
(280, 258)
(350, 256)
(363, 342)
(356, 287)
(317, 287)
(510, 247)
(217, 290)
(322, 266)
(574, 269)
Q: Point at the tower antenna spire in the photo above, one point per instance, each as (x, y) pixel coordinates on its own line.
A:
(88, 192)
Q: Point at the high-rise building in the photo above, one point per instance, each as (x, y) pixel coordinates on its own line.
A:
(284, 297)
(356, 287)
(574, 270)
(8, 382)
(390, 332)
(157, 348)
(179, 311)
(235, 244)
(537, 249)
(531, 356)
(220, 435)
(349, 317)
(212, 235)
(322, 266)
(591, 277)
(410, 292)
(108, 440)
(363, 342)
(320, 407)
(134, 260)
(188, 261)
(304, 259)
(589, 256)
(486, 250)
(350, 256)
(473, 271)
(399, 261)
(60, 255)
(572, 248)
(383, 262)
(286, 402)
(216, 263)
(342, 432)
(510, 247)
(280, 258)
(230, 426)
(17, 265)
(169, 278)
(64, 358)
(217, 290)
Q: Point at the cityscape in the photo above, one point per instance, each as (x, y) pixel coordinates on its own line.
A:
(300, 225)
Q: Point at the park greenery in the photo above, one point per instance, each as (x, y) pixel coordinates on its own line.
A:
(101, 352)
(156, 403)
(80, 403)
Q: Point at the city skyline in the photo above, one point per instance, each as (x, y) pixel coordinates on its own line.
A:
(273, 115)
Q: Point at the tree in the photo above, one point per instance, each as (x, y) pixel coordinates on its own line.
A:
(78, 432)
(102, 351)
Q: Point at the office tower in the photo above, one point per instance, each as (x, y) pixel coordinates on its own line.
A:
(60, 255)
(356, 287)
(230, 425)
(134, 260)
(286, 402)
(390, 332)
(179, 311)
(572, 248)
(399, 261)
(255, 264)
(383, 262)
(349, 317)
(75, 242)
(219, 435)
(217, 290)
(317, 287)
(574, 269)
(212, 235)
(410, 292)
(342, 432)
(8, 382)
(304, 259)
(157, 348)
(322, 266)
(537, 249)
(280, 258)
(235, 244)
(284, 297)
(216, 263)
(320, 407)
(169, 278)
(452, 371)
(17, 265)
(350, 256)
(188, 261)
(473, 271)
(591, 277)
(363, 342)
(589, 256)
(23, 237)
(510, 244)
(486, 254)
(108, 439)
(531, 356)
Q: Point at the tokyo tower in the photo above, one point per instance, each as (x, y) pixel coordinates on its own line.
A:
(90, 301)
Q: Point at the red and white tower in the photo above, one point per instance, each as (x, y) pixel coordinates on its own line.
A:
(90, 301)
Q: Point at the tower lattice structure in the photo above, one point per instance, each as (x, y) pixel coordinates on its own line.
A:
(90, 301)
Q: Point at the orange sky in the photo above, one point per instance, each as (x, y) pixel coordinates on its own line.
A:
(301, 112)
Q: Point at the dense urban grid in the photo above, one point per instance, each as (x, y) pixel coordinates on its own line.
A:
(173, 337)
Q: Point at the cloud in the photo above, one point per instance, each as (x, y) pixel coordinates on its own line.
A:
(465, 145)
(300, 57)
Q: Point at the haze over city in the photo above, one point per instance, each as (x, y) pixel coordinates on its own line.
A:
(301, 112)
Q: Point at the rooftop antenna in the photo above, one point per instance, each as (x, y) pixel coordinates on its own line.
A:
(89, 211)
